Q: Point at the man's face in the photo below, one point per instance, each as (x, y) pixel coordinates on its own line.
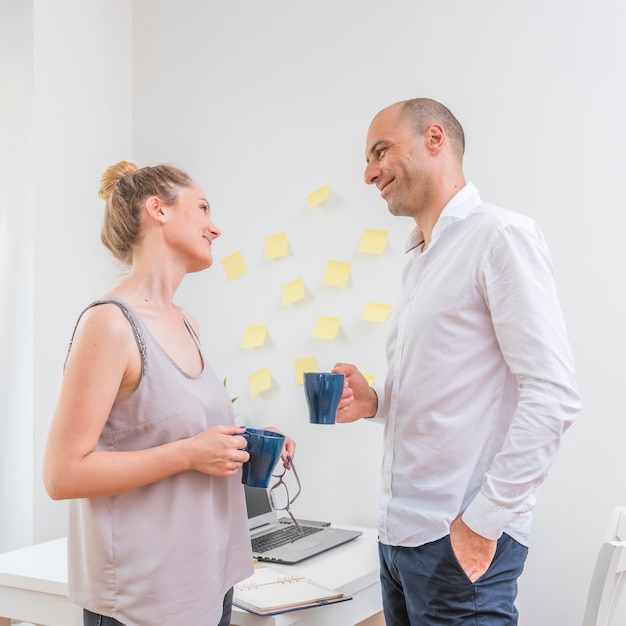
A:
(397, 163)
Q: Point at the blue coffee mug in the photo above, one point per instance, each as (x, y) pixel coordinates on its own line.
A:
(264, 448)
(323, 391)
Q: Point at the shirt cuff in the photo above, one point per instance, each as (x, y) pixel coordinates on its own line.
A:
(487, 519)
(379, 417)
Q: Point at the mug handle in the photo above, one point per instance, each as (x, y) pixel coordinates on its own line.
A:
(246, 436)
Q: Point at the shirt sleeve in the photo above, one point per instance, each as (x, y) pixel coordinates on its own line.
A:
(520, 291)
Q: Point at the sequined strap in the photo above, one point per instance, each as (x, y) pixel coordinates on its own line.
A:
(192, 332)
(132, 319)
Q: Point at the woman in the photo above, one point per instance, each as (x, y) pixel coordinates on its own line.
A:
(143, 438)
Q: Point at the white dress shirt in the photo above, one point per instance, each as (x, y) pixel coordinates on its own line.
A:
(480, 386)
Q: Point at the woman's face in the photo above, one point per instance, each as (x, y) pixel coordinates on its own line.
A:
(193, 231)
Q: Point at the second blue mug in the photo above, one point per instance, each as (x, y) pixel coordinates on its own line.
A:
(323, 391)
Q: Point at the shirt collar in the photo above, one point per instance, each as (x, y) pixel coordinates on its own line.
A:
(458, 208)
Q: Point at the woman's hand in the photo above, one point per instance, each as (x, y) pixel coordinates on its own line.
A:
(218, 451)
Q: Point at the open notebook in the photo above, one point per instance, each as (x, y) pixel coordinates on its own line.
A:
(268, 592)
(273, 538)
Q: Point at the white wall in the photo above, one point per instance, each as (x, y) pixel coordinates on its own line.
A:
(265, 102)
(16, 275)
(81, 123)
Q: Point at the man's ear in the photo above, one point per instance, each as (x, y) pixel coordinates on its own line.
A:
(435, 138)
(156, 210)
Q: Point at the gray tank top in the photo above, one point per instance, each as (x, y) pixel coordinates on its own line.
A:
(168, 552)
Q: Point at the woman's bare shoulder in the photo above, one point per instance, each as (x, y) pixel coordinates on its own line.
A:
(104, 322)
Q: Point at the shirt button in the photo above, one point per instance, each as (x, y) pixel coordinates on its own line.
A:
(386, 491)
(389, 443)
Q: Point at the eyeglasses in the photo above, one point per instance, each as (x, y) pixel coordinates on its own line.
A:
(279, 494)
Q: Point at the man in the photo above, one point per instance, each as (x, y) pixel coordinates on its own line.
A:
(480, 386)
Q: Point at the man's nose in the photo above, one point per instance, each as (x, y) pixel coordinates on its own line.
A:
(372, 171)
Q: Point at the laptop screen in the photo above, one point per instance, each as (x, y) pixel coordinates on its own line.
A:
(260, 511)
(257, 501)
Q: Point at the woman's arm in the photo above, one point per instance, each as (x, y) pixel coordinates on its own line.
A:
(104, 365)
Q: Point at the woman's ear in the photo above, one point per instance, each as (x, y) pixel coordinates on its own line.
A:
(156, 210)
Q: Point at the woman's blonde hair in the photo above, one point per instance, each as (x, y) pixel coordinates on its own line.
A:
(125, 187)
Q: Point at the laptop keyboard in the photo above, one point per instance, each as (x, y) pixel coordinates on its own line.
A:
(280, 537)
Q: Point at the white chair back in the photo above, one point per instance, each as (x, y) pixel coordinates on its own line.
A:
(609, 576)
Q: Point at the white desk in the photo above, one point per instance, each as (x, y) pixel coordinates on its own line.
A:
(33, 586)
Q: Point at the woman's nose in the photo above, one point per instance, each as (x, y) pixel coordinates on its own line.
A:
(215, 230)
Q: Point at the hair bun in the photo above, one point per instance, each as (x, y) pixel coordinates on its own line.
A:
(112, 176)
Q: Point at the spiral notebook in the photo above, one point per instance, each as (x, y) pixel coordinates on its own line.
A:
(270, 592)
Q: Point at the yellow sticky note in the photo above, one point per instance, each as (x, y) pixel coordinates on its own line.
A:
(276, 246)
(254, 336)
(376, 312)
(317, 197)
(373, 241)
(308, 364)
(369, 378)
(234, 266)
(260, 381)
(292, 292)
(326, 327)
(337, 273)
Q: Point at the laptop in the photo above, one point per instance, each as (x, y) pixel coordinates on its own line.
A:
(273, 538)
